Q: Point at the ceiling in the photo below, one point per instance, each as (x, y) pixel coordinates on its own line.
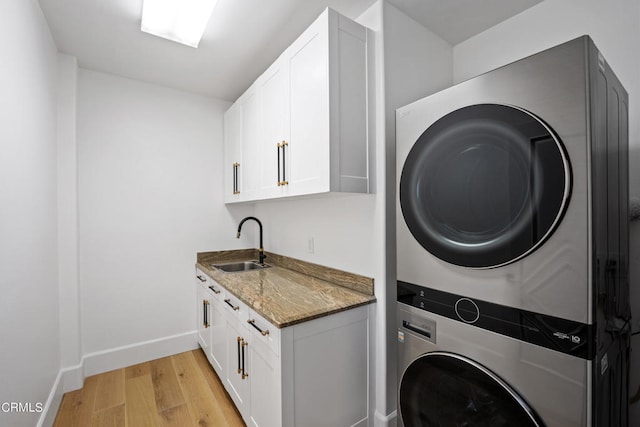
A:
(457, 20)
(243, 36)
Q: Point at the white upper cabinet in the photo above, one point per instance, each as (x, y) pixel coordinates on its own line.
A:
(308, 117)
(242, 148)
(273, 87)
(250, 144)
(309, 147)
(232, 151)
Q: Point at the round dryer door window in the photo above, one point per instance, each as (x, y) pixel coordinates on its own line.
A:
(485, 185)
(446, 389)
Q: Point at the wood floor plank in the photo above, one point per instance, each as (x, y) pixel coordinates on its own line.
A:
(129, 397)
(110, 390)
(204, 407)
(76, 408)
(137, 370)
(165, 384)
(141, 409)
(178, 416)
(110, 417)
(231, 414)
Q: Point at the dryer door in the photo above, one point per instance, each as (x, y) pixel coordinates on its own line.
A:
(484, 185)
(446, 389)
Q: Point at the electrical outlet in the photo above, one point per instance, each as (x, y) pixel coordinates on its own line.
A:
(310, 245)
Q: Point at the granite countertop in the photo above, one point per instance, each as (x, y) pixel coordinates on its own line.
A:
(290, 291)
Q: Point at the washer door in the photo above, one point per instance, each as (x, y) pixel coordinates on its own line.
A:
(484, 185)
(446, 389)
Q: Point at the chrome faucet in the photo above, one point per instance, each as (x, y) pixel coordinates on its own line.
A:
(261, 250)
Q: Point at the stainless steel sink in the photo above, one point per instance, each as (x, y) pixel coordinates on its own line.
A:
(237, 267)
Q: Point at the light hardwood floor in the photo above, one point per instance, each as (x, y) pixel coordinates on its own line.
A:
(180, 390)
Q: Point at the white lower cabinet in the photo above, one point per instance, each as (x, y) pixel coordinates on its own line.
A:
(264, 360)
(265, 386)
(326, 371)
(237, 381)
(203, 302)
(218, 330)
(314, 373)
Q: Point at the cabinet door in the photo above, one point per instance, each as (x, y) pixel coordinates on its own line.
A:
(274, 113)
(265, 387)
(232, 150)
(308, 149)
(203, 304)
(218, 343)
(238, 365)
(251, 164)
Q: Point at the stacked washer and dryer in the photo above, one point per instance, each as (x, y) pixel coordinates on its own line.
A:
(512, 236)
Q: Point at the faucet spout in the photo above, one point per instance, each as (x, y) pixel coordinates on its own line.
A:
(261, 250)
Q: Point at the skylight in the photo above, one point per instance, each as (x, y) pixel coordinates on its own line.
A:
(181, 21)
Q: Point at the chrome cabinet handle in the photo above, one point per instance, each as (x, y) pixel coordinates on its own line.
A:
(215, 291)
(236, 189)
(205, 313)
(264, 332)
(202, 279)
(284, 164)
(235, 307)
(239, 340)
(281, 146)
(244, 373)
(278, 161)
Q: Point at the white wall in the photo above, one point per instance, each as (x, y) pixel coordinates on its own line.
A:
(150, 197)
(615, 29)
(29, 332)
(69, 292)
(417, 63)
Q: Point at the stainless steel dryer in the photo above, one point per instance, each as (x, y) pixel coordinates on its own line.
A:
(513, 195)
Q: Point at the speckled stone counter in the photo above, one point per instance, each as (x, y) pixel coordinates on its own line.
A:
(290, 291)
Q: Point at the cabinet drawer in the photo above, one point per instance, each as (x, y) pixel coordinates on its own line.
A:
(216, 290)
(264, 332)
(236, 309)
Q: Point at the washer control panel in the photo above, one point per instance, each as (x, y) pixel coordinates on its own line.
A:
(563, 335)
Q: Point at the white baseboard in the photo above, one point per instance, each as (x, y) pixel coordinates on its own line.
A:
(48, 415)
(390, 420)
(121, 357)
(362, 423)
(72, 378)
